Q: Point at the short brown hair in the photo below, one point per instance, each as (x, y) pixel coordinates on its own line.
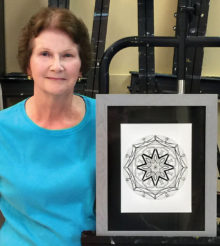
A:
(58, 18)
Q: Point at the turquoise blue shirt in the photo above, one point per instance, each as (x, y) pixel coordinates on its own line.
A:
(47, 179)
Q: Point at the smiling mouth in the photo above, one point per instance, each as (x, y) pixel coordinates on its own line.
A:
(54, 78)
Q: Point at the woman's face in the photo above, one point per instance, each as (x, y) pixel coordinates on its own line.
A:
(55, 63)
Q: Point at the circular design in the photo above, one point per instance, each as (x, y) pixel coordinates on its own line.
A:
(155, 167)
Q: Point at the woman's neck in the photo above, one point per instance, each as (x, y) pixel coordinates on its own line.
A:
(55, 112)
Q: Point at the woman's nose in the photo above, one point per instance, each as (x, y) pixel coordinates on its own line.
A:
(56, 64)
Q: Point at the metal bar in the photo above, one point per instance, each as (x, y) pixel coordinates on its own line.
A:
(175, 28)
(194, 56)
(192, 27)
(192, 30)
(53, 3)
(198, 60)
(202, 41)
(178, 28)
(64, 4)
(181, 86)
(196, 22)
(2, 39)
(58, 3)
(142, 77)
(167, 83)
(95, 44)
(101, 43)
(98, 43)
(181, 49)
(146, 54)
(137, 41)
(150, 50)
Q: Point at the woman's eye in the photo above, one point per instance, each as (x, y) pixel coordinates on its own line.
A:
(45, 53)
(68, 55)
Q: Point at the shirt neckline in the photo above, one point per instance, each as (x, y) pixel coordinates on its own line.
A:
(57, 132)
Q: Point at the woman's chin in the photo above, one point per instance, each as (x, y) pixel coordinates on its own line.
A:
(58, 91)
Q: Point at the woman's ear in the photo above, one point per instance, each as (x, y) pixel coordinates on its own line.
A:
(29, 71)
(29, 74)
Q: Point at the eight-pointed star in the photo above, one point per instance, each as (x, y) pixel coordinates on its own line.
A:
(155, 167)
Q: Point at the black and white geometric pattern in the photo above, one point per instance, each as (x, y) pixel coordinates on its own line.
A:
(155, 167)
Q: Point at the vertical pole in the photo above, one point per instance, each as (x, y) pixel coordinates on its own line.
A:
(99, 31)
(59, 3)
(196, 22)
(146, 54)
(196, 70)
(181, 48)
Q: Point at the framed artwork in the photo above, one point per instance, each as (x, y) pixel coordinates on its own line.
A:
(156, 165)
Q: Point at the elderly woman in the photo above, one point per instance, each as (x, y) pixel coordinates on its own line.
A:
(47, 142)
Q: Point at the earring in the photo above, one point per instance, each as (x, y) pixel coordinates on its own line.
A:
(79, 79)
(29, 77)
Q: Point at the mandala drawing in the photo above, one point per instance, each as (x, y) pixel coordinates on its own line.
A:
(155, 167)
